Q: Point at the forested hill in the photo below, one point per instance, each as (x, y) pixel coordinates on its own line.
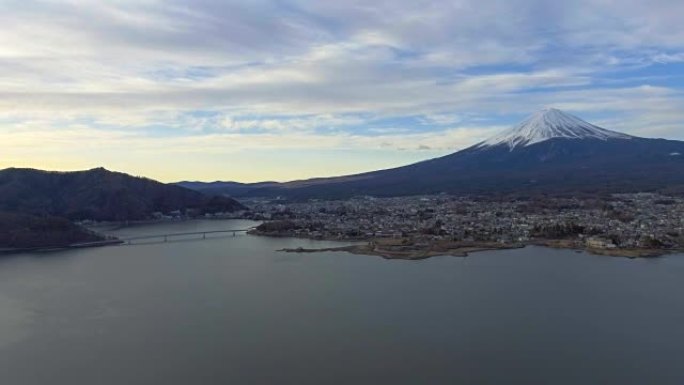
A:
(21, 231)
(99, 194)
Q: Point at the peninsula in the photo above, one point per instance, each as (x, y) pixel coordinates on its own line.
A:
(627, 225)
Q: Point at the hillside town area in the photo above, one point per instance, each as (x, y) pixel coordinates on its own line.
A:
(623, 221)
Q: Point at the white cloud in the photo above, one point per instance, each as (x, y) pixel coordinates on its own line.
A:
(214, 76)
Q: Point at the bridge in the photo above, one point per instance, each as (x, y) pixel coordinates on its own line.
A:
(170, 236)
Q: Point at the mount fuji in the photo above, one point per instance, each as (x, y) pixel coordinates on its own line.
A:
(550, 152)
(550, 124)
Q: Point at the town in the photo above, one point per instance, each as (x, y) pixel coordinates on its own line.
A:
(643, 221)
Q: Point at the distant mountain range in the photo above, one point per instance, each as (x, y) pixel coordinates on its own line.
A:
(549, 152)
(226, 188)
(99, 194)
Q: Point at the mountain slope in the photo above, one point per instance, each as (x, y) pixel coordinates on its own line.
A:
(550, 124)
(98, 194)
(550, 152)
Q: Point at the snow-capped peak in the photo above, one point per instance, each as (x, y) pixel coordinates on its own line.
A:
(548, 124)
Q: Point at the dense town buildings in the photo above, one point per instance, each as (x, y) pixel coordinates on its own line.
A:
(642, 220)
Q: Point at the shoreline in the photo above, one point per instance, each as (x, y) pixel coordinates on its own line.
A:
(467, 250)
(101, 228)
(394, 249)
(391, 248)
(47, 249)
(409, 256)
(613, 252)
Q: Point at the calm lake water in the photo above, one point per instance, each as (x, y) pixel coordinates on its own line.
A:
(232, 310)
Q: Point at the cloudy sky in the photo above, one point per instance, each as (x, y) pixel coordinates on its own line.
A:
(287, 89)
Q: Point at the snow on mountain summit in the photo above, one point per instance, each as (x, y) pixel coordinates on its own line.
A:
(548, 124)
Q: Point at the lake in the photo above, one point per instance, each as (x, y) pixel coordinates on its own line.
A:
(233, 310)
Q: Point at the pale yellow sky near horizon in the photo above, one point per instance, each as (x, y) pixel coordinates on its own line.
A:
(246, 168)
